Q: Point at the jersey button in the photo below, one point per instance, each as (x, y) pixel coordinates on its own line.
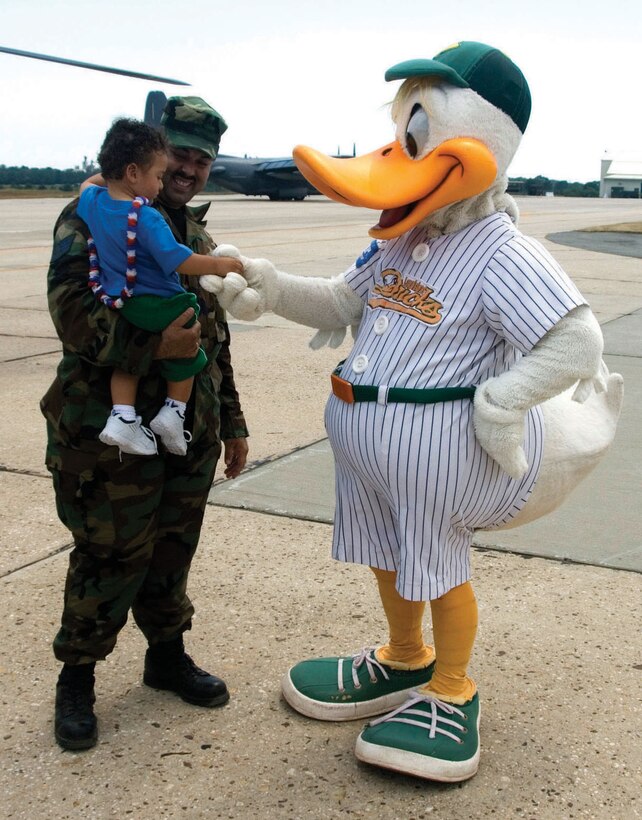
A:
(360, 363)
(420, 252)
(381, 325)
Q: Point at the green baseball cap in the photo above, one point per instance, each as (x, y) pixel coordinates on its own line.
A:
(484, 69)
(189, 122)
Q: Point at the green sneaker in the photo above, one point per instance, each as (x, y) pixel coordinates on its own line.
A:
(348, 688)
(425, 737)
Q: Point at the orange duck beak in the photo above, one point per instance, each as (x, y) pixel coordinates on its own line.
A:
(405, 190)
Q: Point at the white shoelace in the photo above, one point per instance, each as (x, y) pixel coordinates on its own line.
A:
(365, 656)
(435, 721)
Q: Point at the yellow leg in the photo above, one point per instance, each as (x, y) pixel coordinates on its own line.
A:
(454, 625)
(406, 648)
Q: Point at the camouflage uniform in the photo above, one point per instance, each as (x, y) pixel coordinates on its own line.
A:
(135, 520)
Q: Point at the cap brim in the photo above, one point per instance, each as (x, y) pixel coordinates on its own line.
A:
(425, 68)
(179, 139)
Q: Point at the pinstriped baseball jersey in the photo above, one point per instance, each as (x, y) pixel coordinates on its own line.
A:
(412, 482)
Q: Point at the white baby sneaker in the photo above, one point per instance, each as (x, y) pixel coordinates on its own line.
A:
(168, 424)
(129, 436)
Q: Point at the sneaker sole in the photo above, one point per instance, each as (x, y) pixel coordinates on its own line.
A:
(405, 762)
(125, 446)
(320, 710)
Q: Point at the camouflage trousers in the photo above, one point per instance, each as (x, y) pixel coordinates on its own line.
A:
(136, 524)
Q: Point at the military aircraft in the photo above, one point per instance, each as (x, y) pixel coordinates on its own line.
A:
(275, 177)
(278, 178)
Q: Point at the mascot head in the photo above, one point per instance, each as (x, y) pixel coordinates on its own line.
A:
(459, 119)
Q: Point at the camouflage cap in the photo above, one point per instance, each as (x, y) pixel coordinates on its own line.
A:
(189, 122)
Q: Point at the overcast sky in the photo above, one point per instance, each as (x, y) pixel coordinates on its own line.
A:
(285, 72)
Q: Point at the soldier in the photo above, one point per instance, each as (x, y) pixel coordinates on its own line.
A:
(136, 524)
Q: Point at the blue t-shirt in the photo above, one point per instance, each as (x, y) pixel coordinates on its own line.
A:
(158, 254)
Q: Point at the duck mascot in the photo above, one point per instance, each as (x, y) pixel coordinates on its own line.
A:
(474, 397)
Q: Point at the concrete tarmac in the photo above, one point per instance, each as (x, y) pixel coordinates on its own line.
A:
(558, 654)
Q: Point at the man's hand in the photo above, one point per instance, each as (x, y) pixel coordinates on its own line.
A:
(236, 450)
(177, 341)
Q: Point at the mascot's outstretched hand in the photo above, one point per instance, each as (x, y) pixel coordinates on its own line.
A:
(232, 290)
(329, 305)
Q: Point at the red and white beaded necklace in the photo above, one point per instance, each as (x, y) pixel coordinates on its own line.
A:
(130, 274)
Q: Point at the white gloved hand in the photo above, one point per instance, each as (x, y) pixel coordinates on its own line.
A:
(231, 290)
(500, 432)
(327, 338)
(264, 278)
(216, 284)
(597, 384)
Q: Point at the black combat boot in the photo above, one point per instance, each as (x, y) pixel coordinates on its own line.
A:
(75, 723)
(168, 666)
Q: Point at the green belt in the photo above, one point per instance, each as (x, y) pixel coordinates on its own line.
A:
(350, 393)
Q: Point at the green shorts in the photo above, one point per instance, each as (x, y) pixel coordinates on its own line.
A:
(154, 313)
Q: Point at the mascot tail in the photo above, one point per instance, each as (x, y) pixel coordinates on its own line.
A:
(577, 436)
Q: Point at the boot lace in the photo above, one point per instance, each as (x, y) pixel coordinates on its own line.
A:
(191, 669)
(76, 701)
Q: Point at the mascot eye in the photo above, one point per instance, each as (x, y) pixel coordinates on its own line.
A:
(417, 131)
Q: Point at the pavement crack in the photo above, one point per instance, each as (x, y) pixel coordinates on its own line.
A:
(23, 336)
(36, 561)
(17, 471)
(253, 465)
(30, 356)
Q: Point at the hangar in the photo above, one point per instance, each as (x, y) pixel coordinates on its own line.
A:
(621, 178)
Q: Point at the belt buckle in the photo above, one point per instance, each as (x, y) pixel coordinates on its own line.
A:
(342, 389)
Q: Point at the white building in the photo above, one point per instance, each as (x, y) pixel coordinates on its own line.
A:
(621, 178)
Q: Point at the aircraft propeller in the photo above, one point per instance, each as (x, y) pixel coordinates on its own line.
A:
(91, 66)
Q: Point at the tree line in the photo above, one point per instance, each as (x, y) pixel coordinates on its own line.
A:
(12, 176)
(540, 186)
(22, 177)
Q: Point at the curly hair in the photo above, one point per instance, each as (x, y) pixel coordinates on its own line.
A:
(129, 141)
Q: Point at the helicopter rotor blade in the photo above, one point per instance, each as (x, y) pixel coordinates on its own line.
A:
(91, 66)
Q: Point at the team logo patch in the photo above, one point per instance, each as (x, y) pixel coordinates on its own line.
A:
(367, 254)
(406, 295)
